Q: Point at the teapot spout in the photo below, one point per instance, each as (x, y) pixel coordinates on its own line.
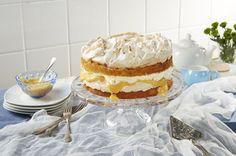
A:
(210, 51)
(208, 55)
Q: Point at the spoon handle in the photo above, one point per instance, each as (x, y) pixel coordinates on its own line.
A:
(50, 130)
(49, 66)
(44, 128)
(200, 147)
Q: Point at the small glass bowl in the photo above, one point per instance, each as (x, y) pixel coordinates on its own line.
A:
(29, 82)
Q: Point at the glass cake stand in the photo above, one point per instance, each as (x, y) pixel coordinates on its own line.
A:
(128, 115)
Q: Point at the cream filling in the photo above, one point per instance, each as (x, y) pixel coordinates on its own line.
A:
(131, 79)
(137, 86)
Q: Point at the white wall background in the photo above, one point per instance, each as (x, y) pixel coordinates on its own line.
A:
(32, 31)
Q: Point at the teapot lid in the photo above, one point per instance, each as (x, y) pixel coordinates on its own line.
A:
(187, 42)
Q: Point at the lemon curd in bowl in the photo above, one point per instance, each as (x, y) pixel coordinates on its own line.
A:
(30, 84)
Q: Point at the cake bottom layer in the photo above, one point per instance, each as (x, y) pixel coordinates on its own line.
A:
(130, 95)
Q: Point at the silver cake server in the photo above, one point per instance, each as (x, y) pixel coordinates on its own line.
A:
(181, 130)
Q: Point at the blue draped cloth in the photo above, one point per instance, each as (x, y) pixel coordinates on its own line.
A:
(7, 117)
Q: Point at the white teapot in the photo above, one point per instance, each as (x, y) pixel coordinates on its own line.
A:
(187, 53)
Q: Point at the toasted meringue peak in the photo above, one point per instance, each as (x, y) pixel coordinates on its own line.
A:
(128, 50)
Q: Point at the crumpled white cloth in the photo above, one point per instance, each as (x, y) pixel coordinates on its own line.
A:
(197, 106)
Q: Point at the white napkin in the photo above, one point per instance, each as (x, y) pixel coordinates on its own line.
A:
(197, 106)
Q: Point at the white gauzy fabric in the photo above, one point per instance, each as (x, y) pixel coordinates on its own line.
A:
(196, 106)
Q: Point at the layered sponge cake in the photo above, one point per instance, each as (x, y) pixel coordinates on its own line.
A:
(127, 66)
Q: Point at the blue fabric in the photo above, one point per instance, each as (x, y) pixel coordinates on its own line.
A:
(232, 122)
(6, 117)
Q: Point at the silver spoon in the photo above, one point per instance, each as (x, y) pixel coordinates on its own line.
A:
(53, 60)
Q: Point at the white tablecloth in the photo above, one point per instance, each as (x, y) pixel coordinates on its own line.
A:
(197, 106)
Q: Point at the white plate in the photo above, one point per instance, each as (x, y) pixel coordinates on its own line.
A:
(29, 112)
(60, 92)
(34, 108)
(38, 107)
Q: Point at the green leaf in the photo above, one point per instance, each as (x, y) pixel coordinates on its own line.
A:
(223, 24)
(234, 37)
(227, 35)
(233, 34)
(207, 31)
(215, 25)
(220, 42)
(223, 41)
(214, 33)
(234, 26)
(229, 30)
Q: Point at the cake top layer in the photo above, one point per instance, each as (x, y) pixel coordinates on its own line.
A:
(128, 50)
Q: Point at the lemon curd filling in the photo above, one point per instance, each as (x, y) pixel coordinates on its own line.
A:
(89, 77)
(113, 97)
(116, 88)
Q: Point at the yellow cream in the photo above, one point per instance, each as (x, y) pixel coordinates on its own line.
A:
(116, 88)
(162, 90)
(89, 77)
(113, 97)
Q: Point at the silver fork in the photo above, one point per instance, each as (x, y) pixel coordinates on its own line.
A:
(79, 107)
(67, 114)
(75, 109)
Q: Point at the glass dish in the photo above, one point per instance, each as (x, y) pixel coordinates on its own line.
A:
(29, 82)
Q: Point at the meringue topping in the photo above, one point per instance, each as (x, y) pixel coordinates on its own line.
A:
(128, 50)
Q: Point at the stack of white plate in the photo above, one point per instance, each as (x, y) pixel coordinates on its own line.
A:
(15, 100)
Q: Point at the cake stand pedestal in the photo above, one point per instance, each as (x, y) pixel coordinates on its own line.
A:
(128, 120)
(129, 116)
